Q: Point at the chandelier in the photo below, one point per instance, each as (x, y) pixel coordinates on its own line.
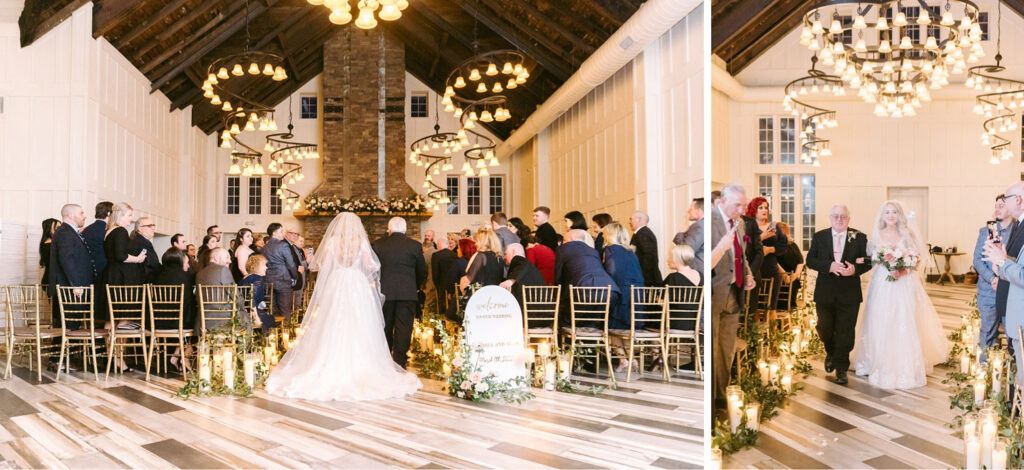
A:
(341, 11)
(911, 48)
(811, 117)
(284, 152)
(999, 100)
(484, 76)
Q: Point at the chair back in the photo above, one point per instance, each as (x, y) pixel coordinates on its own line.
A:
(23, 306)
(217, 304)
(166, 304)
(5, 311)
(76, 305)
(647, 308)
(126, 304)
(268, 297)
(589, 307)
(684, 306)
(245, 293)
(540, 306)
(764, 293)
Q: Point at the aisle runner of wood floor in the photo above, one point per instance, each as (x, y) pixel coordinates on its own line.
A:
(861, 426)
(129, 423)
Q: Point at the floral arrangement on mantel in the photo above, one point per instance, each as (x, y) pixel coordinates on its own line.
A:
(319, 204)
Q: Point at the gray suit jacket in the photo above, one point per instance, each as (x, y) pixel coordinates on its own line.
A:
(281, 268)
(724, 273)
(694, 238)
(1013, 272)
(507, 237)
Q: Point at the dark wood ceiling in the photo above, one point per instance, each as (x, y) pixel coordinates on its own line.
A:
(172, 42)
(741, 30)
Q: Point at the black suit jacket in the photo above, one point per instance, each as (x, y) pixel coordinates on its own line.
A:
(151, 267)
(70, 261)
(830, 287)
(524, 273)
(402, 267)
(300, 260)
(94, 235)
(647, 252)
(755, 249)
(546, 236)
(440, 265)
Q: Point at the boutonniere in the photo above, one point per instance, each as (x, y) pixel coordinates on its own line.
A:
(850, 235)
(746, 239)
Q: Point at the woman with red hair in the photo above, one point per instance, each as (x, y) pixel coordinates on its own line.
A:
(773, 241)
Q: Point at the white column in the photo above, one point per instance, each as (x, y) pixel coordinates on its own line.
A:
(543, 174)
(654, 146)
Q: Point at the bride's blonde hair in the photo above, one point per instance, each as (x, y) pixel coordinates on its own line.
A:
(904, 227)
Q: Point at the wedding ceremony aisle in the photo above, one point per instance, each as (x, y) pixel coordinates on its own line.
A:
(860, 426)
(128, 423)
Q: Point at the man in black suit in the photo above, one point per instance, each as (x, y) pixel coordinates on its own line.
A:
(839, 255)
(440, 264)
(281, 269)
(646, 249)
(578, 264)
(545, 233)
(521, 272)
(402, 272)
(142, 239)
(298, 290)
(95, 233)
(70, 259)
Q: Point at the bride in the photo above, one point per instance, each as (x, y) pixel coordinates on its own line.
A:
(899, 335)
(341, 353)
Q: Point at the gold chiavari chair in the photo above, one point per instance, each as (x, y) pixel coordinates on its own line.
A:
(588, 322)
(7, 329)
(308, 293)
(764, 294)
(127, 307)
(27, 326)
(683, 309)
(540, 313)
(646, 327)
(76, 306)
(217, 305)
(166, 307)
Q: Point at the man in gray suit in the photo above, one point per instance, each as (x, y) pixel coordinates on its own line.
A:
(499, 222)
(1011, 269)
(730, 278)
(282, 270)
(694, 235)
(987, 280)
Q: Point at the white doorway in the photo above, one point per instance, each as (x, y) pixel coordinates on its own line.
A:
(915, 200)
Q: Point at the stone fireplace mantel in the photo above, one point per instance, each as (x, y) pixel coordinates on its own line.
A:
(376, 225)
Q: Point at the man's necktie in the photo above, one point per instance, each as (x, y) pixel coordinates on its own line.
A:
(737, 255)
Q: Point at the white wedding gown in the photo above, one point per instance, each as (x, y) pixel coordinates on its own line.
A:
(342, 354)
(899, 334)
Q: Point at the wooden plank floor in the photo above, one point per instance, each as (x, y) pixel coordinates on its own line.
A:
(861, 426)
(128, 423)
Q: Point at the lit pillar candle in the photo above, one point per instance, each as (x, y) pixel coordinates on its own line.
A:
(447, 370)
(267, 353)
(753, 415)
(973, 456)
(563, 366)
(229, 378)
(988, 436)
(286, 340)
(549, 374)
(716, 459)
(544, 349)
(428, 338)
(249, 369)
(965, 362)
(773, 371)
(762, 367)
(999, 455)
(273, 359)
(979, 392)
(204, 367)
(229, 358)
(735, 399)
(787, 382)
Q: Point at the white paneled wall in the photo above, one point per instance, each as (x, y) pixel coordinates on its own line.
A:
(79, 125)
(636, 142)
(938, 150)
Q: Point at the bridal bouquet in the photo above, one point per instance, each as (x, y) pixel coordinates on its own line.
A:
(896, 260)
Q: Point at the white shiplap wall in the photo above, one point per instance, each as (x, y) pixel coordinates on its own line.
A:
(79, 125)
(635, 142)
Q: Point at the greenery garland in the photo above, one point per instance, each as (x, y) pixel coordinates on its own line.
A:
(320, 204)
(762, 339)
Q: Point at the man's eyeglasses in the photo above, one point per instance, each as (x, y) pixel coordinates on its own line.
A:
(149, 226)
(1008, 196)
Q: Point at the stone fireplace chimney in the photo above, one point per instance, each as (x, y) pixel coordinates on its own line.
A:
(363, 151)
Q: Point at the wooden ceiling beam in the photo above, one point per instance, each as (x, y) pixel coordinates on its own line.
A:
(441, 24)
(605, 9)
(198, 49)
(150, 21)
(730, 22)
(555, 25)
(598, 29)
(1015, 5)
(437, 58)
(758, 26)
(779, 30)
(173, 28)
(197, 35)
(40, 16)
(495, 24)
(107, 15)
(540, 38)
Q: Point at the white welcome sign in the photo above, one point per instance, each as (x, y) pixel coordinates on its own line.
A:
(494, 331)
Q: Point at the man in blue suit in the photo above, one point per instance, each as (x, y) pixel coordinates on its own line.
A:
(1010, 268)
(577, 264)
(95, 232)
(70, 261)
(987, 280)
(281, 269)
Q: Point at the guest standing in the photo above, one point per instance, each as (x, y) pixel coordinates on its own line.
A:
(499, 223)
(542, 257)
(178, 241)
(600, 220)
(440, 263)
(402, 271)
(485, 266)
(281, 269)
(521, 273)
(429, 237)
(142, 239)
(988, 281)
(791, 263)
(646, 248)
(242, 254)
(519, 228)
(209, 243)
(771, 242)
(577, 264)
(96, 232)
(70, 260)
(301, 265)
(623, 266)
(694, 234)
(545, 232)
(45, 243)
(122, 266)
(429, 303)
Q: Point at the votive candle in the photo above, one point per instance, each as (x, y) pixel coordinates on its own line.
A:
(999, 454)
(762, 367)
(753, 411)
(734, 395)
(249, 370)
(979, 392)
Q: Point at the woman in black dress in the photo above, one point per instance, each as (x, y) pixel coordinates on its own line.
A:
(682, 275)
(122, 269)
(791, 263)
(175, 273)
(486, 267)
(45, 242)
(773, 241)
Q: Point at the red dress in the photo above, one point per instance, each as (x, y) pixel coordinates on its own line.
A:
(544, 259)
